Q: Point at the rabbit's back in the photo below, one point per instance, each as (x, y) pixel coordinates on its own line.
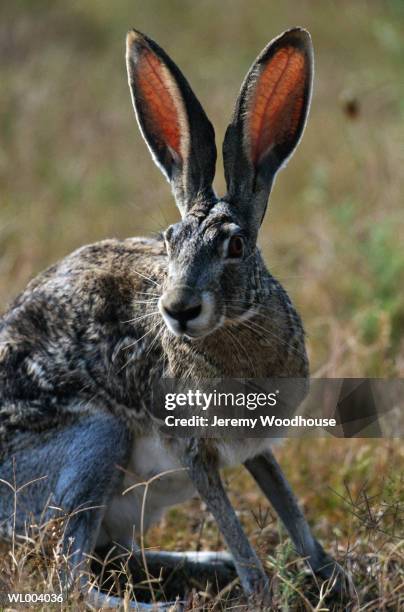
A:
(75, 329)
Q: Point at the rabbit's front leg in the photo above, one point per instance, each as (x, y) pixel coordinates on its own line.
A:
(205, 476)
(269, 476)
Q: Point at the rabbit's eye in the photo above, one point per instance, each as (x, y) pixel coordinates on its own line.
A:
(235, 248)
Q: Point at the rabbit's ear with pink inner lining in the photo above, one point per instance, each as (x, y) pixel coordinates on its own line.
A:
(268, 120)
(172, 121)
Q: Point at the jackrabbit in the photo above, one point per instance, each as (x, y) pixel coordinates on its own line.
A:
(83, 345)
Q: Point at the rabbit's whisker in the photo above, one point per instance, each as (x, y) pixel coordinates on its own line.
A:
(154, 300)
(149, 314)
(128, 346)
(147, 278)
(134, 344)
(235, 339)
(254, 327)
(259, 313)
(158, 336)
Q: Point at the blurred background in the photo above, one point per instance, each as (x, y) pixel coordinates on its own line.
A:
(73, 167)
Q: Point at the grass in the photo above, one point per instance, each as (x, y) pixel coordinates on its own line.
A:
(73, 170)
(351, 491)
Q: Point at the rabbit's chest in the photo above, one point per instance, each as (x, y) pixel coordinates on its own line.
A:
(228, 353)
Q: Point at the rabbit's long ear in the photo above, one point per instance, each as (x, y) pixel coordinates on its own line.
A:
(172, 121)
(268, 121)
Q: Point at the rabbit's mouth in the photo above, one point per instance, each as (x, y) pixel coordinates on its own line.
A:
(190, 314)
(207, 331)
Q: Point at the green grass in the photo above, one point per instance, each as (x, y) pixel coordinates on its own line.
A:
(73, 169)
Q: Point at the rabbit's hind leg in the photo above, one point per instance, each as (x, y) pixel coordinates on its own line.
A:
(87, 482)
(216, 567)
(102, 601)
(175, 573)
(66, 478)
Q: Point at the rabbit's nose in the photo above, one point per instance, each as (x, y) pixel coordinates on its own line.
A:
(182, 307)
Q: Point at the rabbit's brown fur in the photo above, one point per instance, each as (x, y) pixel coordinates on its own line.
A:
(72, 335)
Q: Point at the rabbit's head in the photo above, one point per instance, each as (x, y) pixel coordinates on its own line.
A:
(212, 255)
